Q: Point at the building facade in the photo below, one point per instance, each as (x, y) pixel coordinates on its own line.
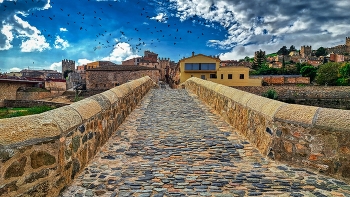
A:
(208, 68)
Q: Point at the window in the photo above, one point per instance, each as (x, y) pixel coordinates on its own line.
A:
(241, 76)
(222, 76)
(213, 76)
(199, 66)
(202, 76)
(229, 76)
(192, 66)
(207, 66)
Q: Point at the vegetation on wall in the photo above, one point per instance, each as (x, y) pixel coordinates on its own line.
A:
(271, 94)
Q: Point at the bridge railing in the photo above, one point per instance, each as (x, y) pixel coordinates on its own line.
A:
(314, 137)
(40, 154)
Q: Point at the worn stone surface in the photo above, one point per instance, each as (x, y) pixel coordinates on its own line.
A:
(86, 112)
(26, 128)
(298, 114)
(173, 145)
(66, 117)
(334, 119)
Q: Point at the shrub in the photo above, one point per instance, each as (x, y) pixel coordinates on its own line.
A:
(271, 94)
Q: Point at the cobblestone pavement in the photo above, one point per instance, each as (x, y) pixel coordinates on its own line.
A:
(173, 145)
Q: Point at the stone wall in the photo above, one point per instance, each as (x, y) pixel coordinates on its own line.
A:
(20, 95)
(304, 136)
(8, 90)
(55, 85)
(282, 79)
(302, 92)
(41, 154)
(100, 80)
(28, 103)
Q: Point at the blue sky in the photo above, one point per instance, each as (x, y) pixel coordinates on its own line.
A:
(40, 33)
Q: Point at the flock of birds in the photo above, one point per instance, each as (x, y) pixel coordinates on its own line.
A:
(87, 22)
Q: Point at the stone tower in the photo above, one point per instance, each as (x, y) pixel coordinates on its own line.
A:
(305, 51)
(347, 41)
(67, 65)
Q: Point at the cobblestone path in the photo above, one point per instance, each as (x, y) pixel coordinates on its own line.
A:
(173, 145)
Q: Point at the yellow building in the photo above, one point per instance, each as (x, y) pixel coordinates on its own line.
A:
(208, 68)
(98, 64)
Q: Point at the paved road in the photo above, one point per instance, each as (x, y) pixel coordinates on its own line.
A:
(173, 145)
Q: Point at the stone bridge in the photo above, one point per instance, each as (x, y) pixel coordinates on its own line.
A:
(204, 140)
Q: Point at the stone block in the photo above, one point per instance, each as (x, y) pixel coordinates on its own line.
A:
(28, 129)
(296, 114)
(120, 91)
(87, 108)
(102, 101)
(111, 96)
(333, 119)
(66, 117)
(265, 106)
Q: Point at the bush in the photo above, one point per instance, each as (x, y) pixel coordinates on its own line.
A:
(271, 94)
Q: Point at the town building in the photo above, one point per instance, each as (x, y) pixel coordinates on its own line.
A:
(43, 74)
(107, 77)
(208, 68)
(336, 57)
(98, 64)
(343, 49)
(151, 60)
(305, 51)
(67, 66)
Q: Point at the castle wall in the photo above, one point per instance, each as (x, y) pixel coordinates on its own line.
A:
(303, 136)
(41, 154)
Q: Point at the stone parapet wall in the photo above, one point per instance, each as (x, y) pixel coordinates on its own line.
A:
(304, 136)
(41, 154)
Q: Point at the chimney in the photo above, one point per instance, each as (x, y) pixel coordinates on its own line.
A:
(192, 53)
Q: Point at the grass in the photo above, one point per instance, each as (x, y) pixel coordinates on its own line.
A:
(16, 112)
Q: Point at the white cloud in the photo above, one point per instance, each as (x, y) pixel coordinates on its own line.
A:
(15, 69)
(56, 66)
(60, 43)
(119, 53)
(83, 61)
(6, 30)
(33, 40)
(63, 29)
(161, 17)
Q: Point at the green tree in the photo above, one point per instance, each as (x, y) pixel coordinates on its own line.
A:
(283, 51)
(321, 52)
(309, 71)
(292, 48)
(344, 72)
(66, 72)
(328, 74)
(260, 60)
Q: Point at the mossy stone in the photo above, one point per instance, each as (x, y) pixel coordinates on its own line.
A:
(16, 169)
(41, 158)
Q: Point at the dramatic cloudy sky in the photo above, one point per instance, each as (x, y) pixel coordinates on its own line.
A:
(38, 34)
